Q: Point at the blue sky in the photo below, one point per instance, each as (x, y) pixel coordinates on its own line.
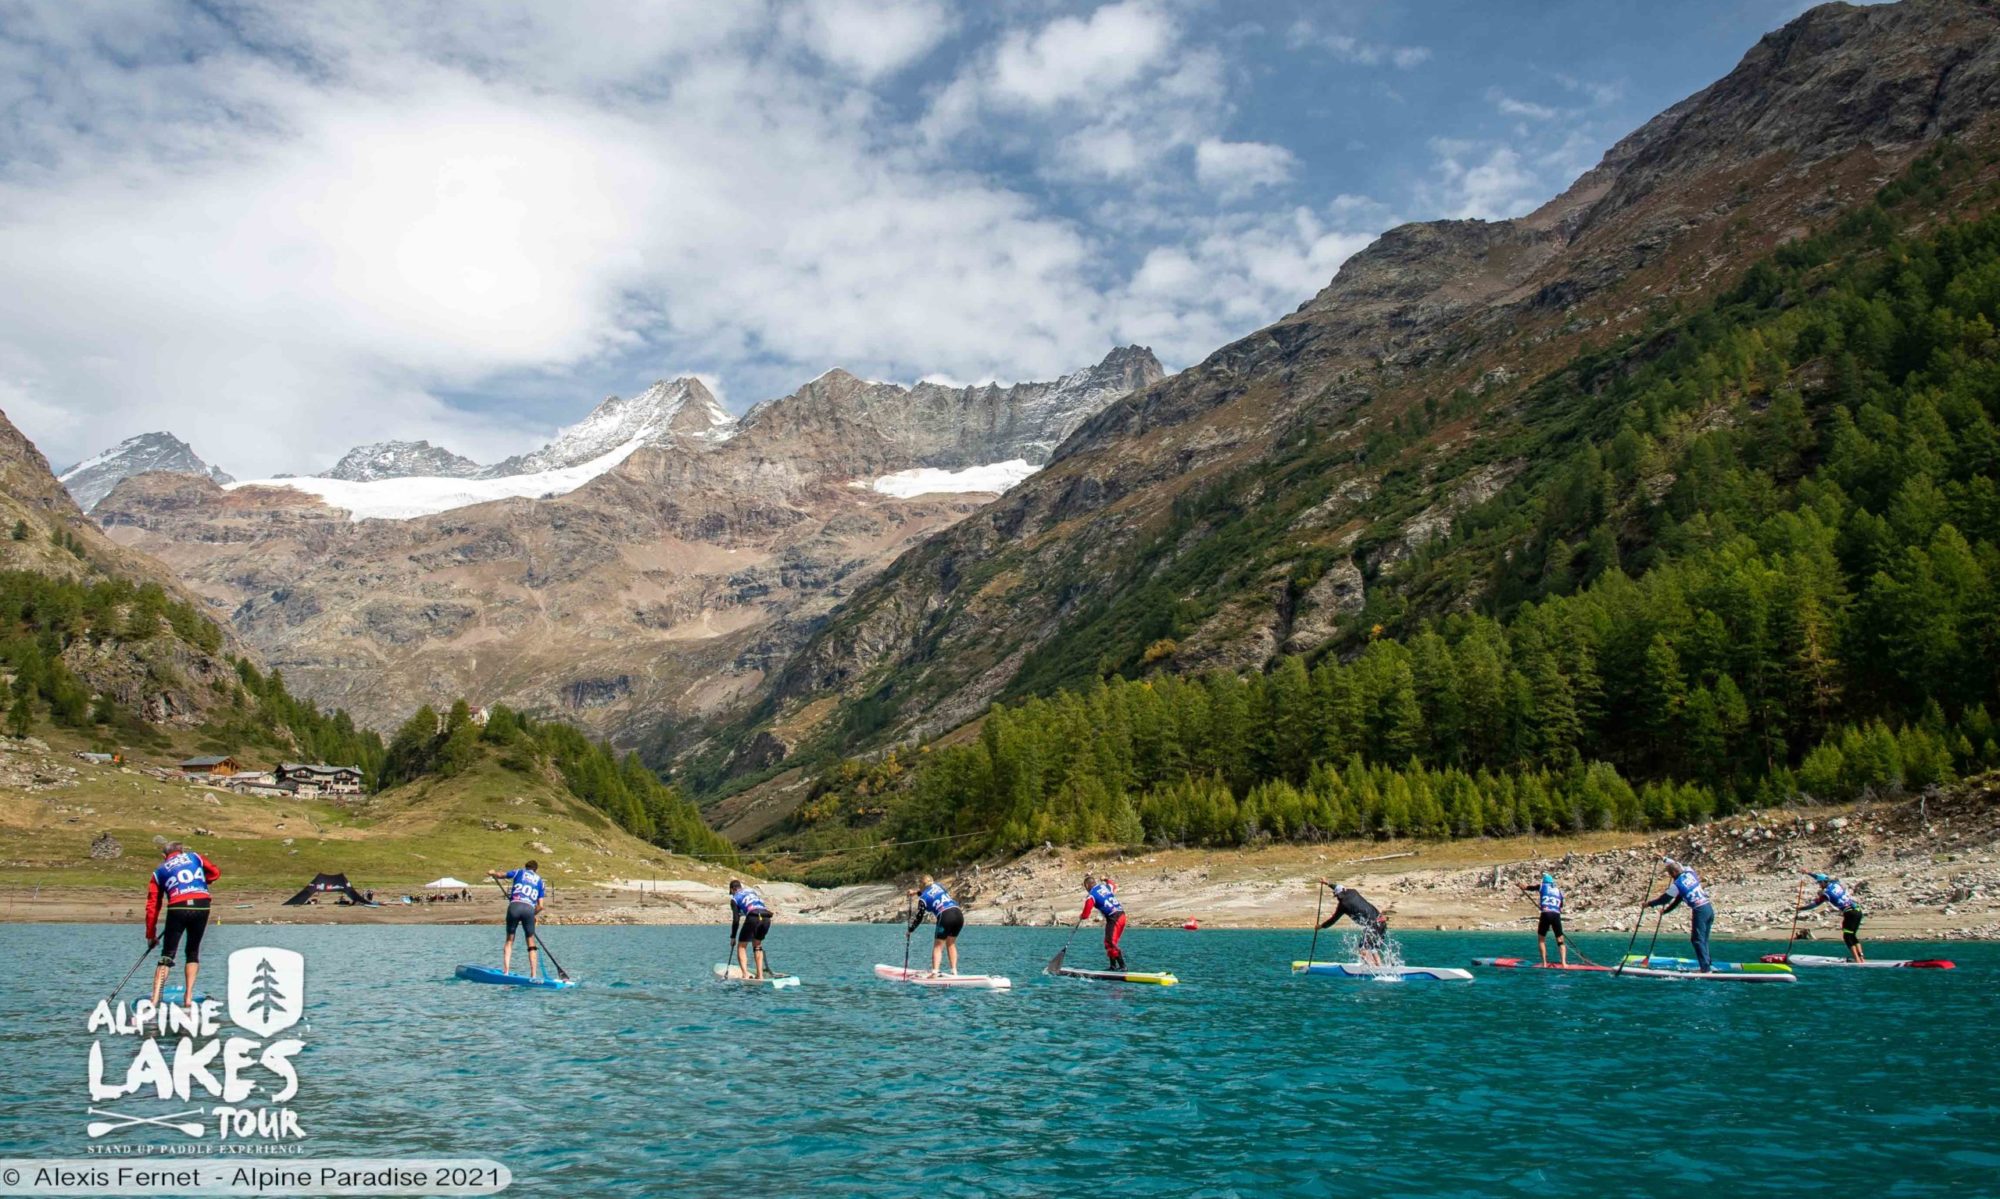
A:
(279, 230)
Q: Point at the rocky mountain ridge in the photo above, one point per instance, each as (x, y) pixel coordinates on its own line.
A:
(664, 589)
(401, 460)
(1458, 315)
(94, 478)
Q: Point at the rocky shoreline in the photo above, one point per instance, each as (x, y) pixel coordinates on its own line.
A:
(1925, 868)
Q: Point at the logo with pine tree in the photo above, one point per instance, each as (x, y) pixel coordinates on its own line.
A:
(267, 988)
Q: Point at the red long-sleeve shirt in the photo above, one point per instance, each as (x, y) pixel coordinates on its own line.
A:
(156, 890)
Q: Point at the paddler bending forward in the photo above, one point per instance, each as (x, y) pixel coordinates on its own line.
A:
(1684, 886)
(1833, 891)
(525, 892)
(748, 908)
(933, 900)
(179, 885)
(1373, 925)
(1101, 896)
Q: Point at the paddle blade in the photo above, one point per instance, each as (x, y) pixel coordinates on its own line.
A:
(1055, 963)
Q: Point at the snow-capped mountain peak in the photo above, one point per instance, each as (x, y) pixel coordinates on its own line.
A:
(401, 460)
(677, 408)
(92, 479)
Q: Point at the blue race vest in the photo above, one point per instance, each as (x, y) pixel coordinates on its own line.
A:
(181, 878)
(748, 902)
(935, 899)
(528, 886)
(1106, 900)
(1839, 896)
(1551, 899)
(1691, 891)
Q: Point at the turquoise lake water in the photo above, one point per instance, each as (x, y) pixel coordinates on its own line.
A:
(653, 1079)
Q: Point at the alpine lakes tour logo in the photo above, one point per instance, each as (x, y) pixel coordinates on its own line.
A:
(174, 1054)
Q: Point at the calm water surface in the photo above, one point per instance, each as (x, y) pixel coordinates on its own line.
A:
(653, 1079)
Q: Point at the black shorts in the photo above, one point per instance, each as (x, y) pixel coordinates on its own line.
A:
(184, 919)
(1375, 936)
(521, 916)
(949, 922)
(756, 926)
(1551, 922)
(1850, 926)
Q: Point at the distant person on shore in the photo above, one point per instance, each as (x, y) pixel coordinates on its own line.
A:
(1101, 896)
(748, 908)
(525, 892)
(179, 884)
(933, 900)
(1684, 886)
(1833, 891)
(1373, 925)
(1549, 898)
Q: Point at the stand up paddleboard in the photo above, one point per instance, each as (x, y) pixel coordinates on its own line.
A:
(730, 973)
(487, 974)
(1817, 960)
(1119, 976)
(1660, 962)
(924, 978)
(177, 993)
(1364, 970)
(1713, 976)
(1525, 964)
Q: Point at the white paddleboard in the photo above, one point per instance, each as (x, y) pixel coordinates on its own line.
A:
(1364, 970)
(1822, 960)
(734, 974)
(1780, 976)
(924, 978)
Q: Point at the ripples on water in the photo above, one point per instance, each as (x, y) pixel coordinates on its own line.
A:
(653, 1079)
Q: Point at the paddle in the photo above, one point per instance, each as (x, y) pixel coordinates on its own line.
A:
(908, 930)
(1055, 963)
(1319, 905)
(540, 942)
(1637, 925)
(1797, 903)
(143, 955)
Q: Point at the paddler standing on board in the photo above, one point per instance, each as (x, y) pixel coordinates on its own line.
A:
(1101, 896)
(1373, 925)
(525, 892)
(179, 884)
(1549, 898)
(748, 908)
(1684, 886)
(936, 902)
(1833, 891)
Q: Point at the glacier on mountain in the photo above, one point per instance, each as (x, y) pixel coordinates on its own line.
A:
(418, 495)
(995, 477)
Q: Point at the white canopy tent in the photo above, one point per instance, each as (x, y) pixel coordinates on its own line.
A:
(447, 883)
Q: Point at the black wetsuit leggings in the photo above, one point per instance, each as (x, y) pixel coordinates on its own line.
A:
(188, 919)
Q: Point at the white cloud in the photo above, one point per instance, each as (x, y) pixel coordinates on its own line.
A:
(1488, 188)
(869, 38)
(1070, 58)
(294, 232)
(1509, 106)
(1238, 168)
(1304, 34)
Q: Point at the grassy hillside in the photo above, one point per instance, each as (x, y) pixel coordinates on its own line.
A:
(484, 817)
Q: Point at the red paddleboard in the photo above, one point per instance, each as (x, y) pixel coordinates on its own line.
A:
(1192, 926)
(1527, 964)
(1812, 959)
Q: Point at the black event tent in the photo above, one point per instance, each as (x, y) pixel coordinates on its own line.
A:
(328, 882)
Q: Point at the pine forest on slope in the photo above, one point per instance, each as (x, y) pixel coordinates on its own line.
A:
(1757, 556)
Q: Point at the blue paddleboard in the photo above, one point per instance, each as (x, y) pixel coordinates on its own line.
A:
(487, 974)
